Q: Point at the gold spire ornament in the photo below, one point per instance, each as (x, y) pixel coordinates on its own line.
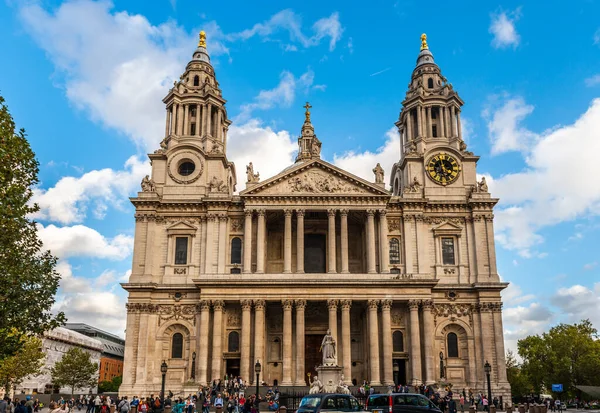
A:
(424, 42)
(202, 41)
(307, 113)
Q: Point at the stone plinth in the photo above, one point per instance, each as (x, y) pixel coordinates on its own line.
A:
(330, 377)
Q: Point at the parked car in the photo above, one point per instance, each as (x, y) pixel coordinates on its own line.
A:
(316, 403)
(400, 403)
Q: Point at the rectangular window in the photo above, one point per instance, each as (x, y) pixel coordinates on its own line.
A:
(448, 251)
(434, 131)
(193, 129)
(181, 249)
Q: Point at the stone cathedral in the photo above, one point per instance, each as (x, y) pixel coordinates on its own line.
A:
(405, 278)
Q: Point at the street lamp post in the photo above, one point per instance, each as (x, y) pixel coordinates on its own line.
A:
(488, 370)
(193, 366)
(163, 370)
(257, 368)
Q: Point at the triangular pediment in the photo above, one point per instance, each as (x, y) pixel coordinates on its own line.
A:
(182, 226)
(318, 178)
(447, 228)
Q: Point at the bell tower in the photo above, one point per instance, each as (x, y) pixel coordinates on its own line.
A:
(309, 146)
(192, 158)
(434, 160)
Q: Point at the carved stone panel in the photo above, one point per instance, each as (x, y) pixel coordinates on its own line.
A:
(315, 181)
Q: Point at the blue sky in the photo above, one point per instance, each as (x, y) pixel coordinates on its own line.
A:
(86, 80)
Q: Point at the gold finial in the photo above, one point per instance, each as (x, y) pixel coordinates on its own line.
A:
(424, 42)
(307, 113)
(202, 41)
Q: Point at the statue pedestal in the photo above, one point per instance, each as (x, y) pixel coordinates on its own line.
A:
(330, 377)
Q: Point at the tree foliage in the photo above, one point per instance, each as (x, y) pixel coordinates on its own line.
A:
(519, 381)
(110, 386)
(75, 370)
(29, 277)
(568, 354)
(28, 360)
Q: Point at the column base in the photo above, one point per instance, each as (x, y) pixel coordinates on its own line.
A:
(300, 383)
(375, 383)
(287, 383)
(345, 272)
(372, 272)
(286, 271)
(331, 272)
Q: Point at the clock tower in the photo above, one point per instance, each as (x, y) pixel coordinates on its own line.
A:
(434, 161)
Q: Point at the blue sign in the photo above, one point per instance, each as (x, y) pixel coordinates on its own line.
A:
(557, 388)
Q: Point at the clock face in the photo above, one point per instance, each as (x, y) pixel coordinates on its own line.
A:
(443, 169)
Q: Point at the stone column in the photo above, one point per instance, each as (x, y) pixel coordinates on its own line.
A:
(452, 121)
(219, 128)
(429, 123)
(415, 342)
(300, 245)
(346, 341)
(300, 307)
(386, 339)
(428, 331)
(208, 262)
(371, 266)
(222, 243)
(373, 344)
(344, 239)
(287, 343)
(331, 240)
(419, 122)
(209, 120)
(203, 353)
(260, 242)
(204, 118)
(186, 119)
(499, 340)
(198, 119)
(248, 242)
(408, 243)
(332, 306)
(245, 342)
(442, 121)
(458, 125)
(409, 127)
(167, 122)
(384, 246)
(259, 335)
(487, 332)
(180, 119)
(217, 350)
(202, 244)
(287, 242)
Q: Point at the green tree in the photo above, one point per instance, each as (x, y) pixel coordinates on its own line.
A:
(75, 370)
(110, 386)
(519, 382)
(29, 359)
(568, 354)
(29, 279)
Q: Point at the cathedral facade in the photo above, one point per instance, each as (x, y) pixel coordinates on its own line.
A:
(405, 279)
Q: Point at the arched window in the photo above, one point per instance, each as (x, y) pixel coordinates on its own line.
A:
(394, 251)
(177, 346)
(196, 80)
(430, 83)
(452, 339)
(398, 341)
(236, 250)
(233, 343)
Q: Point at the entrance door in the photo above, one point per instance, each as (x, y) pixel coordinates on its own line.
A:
(399, 366)
(314, 253)
(312, 355)
(233, 367)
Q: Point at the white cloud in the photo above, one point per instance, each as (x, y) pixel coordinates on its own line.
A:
(350, 45)
(513, 295)
(67, 201)
(380, 72)
(327, 27)
(82, 241)
(592, 80)
(502, 27)
(505, 133)
(270, 152)
(283, 95)
(523, 321)
(68, 282)
(590, 266)
(362, 163)
(102, 309)
(116, 66)
(555, 187)
(579, 302)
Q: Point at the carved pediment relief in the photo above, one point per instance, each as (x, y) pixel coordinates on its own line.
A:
(181, 228)
(317, 179)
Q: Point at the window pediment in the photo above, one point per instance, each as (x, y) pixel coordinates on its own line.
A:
(182, 228)
(447, 228)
